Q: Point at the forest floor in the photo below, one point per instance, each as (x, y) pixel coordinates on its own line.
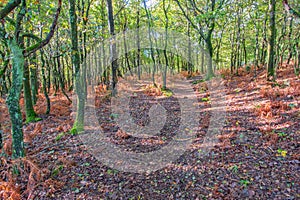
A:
(257, 155)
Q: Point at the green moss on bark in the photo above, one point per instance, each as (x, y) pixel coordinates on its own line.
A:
(13, 100)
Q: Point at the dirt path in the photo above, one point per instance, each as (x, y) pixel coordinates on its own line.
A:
(256, 157)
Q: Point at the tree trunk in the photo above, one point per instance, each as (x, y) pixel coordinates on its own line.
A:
(209, 46)
(113, 50)
(189, 49)
(13, 100)
(256, 43)
(59, 71)
(166, 45)
(44, 82)
(151, 43)
(271, 63)
(290, 41)
(138, 42)
(34, 79)
(29, 110)
(79, 121)
(264, 41)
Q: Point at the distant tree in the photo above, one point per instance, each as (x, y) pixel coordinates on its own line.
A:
(271, 63)
(204, 16)
(166, 9)
(151, 41)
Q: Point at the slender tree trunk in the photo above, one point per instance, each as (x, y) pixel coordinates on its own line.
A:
(202, 62)
(34, 80)
(264, 42)
(290, 41)
(113, 50)
(189, 49)
(233, 51)
(79, 121)
(127, 62)
(55, 76)
(238, 41)
(280, 43)
(151, 43)
(166, 46)
(297, 59)
(60, 72)
(29, 110)
(49, 74)
(138, 41)
(105, 74)
(44, 82)
(69, 74)
(271, 62)
(256, 43)
(245, 47)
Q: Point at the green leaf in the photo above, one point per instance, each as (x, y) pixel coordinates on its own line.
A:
(205, 99)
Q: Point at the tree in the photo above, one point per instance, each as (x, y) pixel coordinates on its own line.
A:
(113, 51)
(271, 62)
(166, 8)
(79, 121)
(138, 58)
(205, 18)
(18, 54)
(151, 42)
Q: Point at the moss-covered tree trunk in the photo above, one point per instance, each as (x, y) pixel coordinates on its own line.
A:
(12, 100)
(29, 110)
(79, 121)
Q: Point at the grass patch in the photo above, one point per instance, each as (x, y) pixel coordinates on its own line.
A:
(33, 119)
(205, 99)
(167, 92)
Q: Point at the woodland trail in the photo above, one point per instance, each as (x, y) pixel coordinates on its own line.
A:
(257, 155)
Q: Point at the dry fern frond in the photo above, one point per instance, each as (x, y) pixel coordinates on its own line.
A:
(9, 191)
